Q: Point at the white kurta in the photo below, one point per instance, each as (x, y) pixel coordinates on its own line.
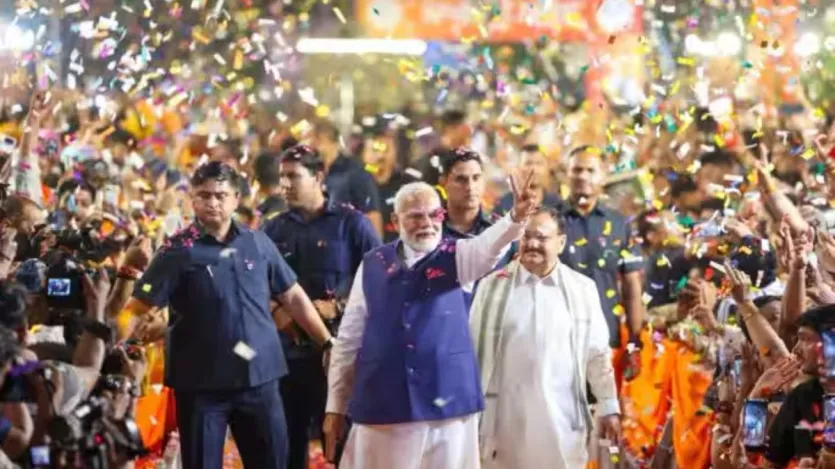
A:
(535, 381)
(445, 444)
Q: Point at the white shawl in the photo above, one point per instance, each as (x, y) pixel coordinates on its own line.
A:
(486, 320)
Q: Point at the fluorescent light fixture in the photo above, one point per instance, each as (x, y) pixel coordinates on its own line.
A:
(808, 44)
(361, 46)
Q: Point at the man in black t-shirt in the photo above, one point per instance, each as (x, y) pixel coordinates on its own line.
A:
(379, 154)
(786, 438)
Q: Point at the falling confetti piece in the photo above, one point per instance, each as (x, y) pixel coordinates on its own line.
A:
(244, 351)
(146, 288)
(440, 402)
(339, 14)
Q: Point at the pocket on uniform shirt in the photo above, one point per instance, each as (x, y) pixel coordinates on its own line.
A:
(254, 277)
(208, 280)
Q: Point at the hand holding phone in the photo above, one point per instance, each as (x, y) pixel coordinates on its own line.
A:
(754, 420)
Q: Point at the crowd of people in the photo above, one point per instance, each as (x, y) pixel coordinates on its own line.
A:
(656, 293)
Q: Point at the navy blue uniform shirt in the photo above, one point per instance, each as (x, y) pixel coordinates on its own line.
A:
(599, 245)
(481, 223)
(348, 182)
(325, 253)
(218, 296)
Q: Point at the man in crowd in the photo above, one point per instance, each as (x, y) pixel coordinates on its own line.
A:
(379, 153)
(454, 133)
(463, 184)
(540, 335)
(218, 277)
(404, 359)
(346, 180)
(324, 243)
(599, 245)
(533, 158)
(663, 248)
(266, 175)
(805, 401)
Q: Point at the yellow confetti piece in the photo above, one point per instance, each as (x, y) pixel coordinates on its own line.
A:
(146, 288)
(607, 228)
(685, 61)
(238, 61)
(809, 153)
(601, 262)
(442, 191)
(581, 265)
(610, 293)
(196, 34)
(581, 242)
(372, 168)
(618, 310)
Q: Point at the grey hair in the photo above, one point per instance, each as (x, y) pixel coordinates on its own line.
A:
(410, 190)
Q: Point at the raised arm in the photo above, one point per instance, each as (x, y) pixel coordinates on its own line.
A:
(763, 336)
(475, 257)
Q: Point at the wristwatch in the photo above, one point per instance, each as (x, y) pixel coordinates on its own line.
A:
(328, 344)
(98, 330)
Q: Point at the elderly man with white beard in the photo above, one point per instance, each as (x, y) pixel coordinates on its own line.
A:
(403, 366)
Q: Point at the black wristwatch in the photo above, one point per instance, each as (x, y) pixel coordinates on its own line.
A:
(99, 330)
(328, 344)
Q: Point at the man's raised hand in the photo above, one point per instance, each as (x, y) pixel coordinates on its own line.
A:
(524, 199)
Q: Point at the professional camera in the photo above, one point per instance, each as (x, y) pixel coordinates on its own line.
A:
(89, 434)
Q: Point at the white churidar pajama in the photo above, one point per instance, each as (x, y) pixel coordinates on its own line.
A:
(444, 444)
(535, 379)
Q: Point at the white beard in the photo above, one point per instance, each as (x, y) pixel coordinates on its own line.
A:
(422, 246)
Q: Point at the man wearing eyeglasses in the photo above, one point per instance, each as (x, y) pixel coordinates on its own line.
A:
(404, 367)
(223, 354)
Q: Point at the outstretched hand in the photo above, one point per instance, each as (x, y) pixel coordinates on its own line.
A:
(524, 199)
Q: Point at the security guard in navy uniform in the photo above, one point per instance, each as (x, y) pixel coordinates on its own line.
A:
(324, 242)
(223, 354)
(463, 184)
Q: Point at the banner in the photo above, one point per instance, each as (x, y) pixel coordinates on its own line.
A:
(466, 20)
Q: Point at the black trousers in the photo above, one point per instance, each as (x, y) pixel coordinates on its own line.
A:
(255, 416)
(304, 390)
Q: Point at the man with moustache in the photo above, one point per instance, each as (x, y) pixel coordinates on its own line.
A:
(599, 245)
(539, 336)
(403, 367)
